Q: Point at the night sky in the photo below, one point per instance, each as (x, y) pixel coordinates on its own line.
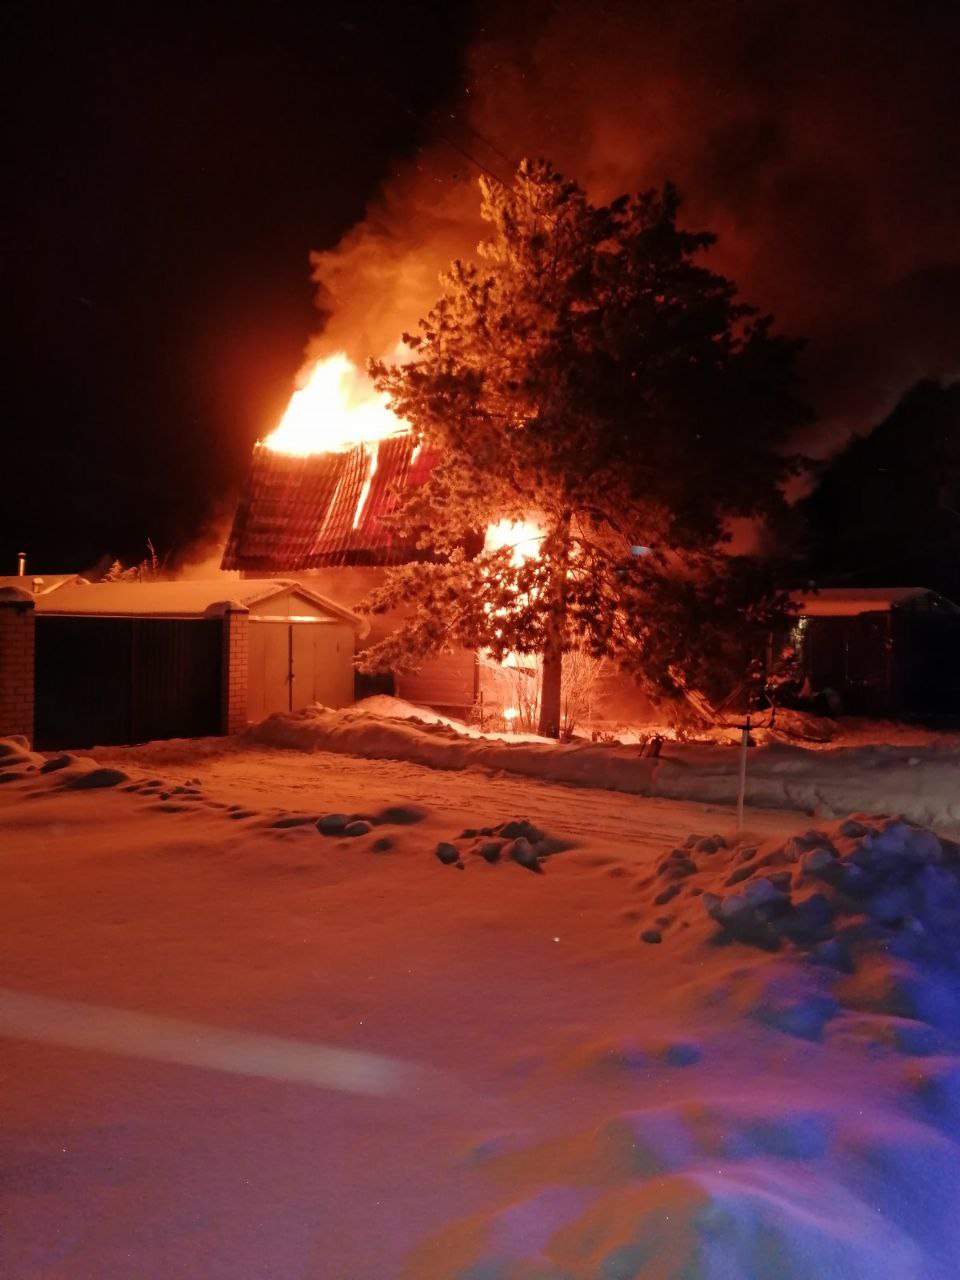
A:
(172, 168)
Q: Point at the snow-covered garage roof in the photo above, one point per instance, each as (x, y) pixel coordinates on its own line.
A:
(847, 602)
(182, 599)
(38, 584)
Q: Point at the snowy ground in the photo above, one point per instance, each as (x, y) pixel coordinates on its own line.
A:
(920, 779)
(236, 1047)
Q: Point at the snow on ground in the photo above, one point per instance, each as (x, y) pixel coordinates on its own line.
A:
(922, 782)
(386, 706)
(236, 1046)
(273, 779)
(791, 728)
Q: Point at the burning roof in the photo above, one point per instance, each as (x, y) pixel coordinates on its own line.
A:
(324, 509)
(321, 483)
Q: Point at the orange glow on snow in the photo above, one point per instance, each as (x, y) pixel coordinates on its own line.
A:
(335, 409)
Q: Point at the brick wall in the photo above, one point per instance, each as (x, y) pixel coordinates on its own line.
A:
(16, 664)
(236, 629)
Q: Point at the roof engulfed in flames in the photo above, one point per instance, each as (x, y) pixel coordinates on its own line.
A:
(320, 483)
(324, 509)
(336, 408)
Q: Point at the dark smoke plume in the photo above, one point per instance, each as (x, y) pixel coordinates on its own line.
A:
(819, 140)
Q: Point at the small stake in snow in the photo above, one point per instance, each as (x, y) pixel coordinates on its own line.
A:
(715, 713)
(742, 781)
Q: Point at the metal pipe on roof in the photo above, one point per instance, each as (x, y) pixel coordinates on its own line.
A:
(21, 563)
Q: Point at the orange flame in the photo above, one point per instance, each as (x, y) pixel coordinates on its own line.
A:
(371, 454)
(335, 409)
(524, 536)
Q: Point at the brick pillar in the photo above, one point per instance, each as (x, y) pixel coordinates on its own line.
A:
(233, 689)
(16, 662)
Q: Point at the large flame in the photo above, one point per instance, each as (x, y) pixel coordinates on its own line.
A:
(522, 536)
(335, 409)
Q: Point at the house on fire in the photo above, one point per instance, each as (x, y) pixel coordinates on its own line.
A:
(864, 651)
(319, 518)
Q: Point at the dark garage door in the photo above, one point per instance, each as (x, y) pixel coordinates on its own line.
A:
(108, 681)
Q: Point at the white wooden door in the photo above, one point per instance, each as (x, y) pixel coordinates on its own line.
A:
(268, 679)
(322, 664)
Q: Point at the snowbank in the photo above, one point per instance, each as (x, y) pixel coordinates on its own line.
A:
(67, 771)
(923, 783)
(843, 937)
(388, 707)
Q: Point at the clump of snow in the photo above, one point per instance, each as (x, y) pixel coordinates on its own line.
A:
(863, 885)
(17, 761)
(517, 840)
(91, 779)
(16, 758)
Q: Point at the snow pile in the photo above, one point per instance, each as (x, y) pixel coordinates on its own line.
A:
(920, 782)
(844, 940)
(861, 882)
(77, 773)
(386, 706)
(517, 840)
(865, 914)
(789, 728)
(723, 1190)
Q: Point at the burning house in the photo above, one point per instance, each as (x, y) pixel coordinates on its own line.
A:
(314, 507)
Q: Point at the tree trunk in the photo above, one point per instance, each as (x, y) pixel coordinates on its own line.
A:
(551, 702)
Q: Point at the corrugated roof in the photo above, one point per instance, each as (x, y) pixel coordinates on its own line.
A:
(846, 602)
(180, 599)
(307, 513)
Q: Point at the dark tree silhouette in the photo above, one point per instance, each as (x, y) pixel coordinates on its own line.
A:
(886, 511)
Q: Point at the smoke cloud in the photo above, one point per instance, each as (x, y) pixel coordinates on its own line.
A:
(818, 140)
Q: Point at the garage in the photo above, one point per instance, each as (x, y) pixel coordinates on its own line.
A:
(104, 681)
(300, 652)
(126, 662)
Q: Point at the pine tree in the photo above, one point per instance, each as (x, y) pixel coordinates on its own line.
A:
(587, 372)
